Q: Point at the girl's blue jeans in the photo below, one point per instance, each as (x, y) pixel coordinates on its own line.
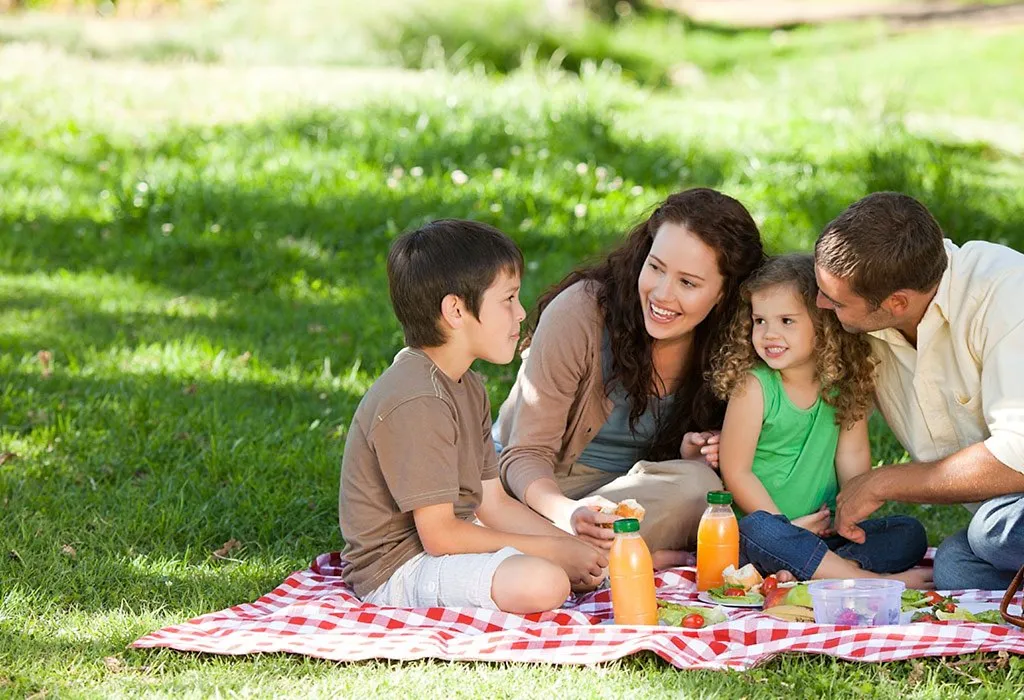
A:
(894, 543)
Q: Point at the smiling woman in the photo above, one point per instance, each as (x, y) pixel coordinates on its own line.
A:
(610, 401)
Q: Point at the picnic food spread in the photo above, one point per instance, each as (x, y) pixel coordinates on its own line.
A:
(739, 587)
(718, 540)
(942, 608)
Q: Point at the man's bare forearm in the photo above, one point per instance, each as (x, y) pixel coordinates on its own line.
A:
(972, 474)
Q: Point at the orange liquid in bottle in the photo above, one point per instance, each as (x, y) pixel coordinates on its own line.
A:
(631, 574)
(718, 545)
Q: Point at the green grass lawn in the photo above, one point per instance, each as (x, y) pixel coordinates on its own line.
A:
(199, 247)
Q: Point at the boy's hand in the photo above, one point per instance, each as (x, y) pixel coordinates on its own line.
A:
(817, 522)
(587, 519)
(701, 446)
(585, 565)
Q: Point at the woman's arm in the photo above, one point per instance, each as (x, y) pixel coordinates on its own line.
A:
(549, 384)
(853, 453)
(740, 432)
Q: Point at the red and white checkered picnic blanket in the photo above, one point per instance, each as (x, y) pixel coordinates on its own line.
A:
(314, 613)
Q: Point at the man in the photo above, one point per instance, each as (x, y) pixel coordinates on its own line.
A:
(947, 325)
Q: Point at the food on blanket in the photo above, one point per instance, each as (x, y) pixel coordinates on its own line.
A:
(740, 586)
(912, 599)
(856, 602)
(693, 621)
(746, 578)
(734, 595)
(945, 609)
(790, 602)
(628, 508)
(676, 615)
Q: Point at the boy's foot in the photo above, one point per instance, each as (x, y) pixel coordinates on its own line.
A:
(670, 558)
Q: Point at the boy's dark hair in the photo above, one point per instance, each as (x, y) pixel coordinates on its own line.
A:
(883, 243)
(447, 256)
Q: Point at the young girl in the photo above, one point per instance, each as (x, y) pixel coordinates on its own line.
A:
(795, 430)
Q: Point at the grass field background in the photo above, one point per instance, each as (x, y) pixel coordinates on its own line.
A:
(195, 211)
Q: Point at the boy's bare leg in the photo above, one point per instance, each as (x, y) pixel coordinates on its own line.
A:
(525, 584)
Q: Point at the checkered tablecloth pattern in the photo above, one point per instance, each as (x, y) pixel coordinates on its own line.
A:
(314, 613)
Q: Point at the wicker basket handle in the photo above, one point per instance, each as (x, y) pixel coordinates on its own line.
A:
(1004, 606)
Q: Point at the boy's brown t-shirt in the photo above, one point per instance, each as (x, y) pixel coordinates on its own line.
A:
(417, 439)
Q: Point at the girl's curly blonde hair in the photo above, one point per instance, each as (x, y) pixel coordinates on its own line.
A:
(845, 366)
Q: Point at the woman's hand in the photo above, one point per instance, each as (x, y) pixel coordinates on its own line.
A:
(587, 519)
(701, 445)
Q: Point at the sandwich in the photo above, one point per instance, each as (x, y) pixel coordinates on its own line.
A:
(628, 508)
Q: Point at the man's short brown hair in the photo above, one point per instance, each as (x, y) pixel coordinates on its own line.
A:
(883, 243)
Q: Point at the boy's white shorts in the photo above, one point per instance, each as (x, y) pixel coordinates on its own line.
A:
(449, 581)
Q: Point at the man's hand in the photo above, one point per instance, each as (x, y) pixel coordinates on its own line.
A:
(701, 445)
(587, 519)
(855, 503)
(583, 563)
(816, 522)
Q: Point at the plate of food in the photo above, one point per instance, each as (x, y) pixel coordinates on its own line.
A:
(741, 588)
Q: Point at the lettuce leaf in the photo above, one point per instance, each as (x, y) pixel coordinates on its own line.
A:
(718, 595)
(673, 613)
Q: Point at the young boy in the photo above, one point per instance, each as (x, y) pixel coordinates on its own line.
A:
(419, 468)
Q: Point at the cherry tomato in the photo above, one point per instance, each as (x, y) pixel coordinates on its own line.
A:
(932, 597)
(947, 606)
(693, 621)
(769, 584)
(924, 617)
(734, 591)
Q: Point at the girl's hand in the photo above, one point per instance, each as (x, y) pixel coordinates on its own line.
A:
(817, 522)
(587, 520)
(701, 445)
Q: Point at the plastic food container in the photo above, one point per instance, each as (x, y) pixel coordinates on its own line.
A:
(858, 602)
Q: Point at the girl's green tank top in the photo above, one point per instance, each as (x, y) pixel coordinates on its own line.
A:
(796, 452)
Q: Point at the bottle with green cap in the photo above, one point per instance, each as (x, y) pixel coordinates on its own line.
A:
(718, 540)
(631, 574)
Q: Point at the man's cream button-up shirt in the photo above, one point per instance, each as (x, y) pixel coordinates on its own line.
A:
(964, 383)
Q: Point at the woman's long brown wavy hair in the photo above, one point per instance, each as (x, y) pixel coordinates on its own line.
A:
(725, 226)
(845, 366)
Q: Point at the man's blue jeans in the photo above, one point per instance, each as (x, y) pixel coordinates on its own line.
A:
(893, 544)
(989, 552)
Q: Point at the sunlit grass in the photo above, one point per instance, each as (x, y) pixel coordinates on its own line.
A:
(192, 302)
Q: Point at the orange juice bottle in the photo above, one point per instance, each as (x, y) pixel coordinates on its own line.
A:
(718, 540)
(631, 574)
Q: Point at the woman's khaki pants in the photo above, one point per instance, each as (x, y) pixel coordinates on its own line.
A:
(673, 493)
